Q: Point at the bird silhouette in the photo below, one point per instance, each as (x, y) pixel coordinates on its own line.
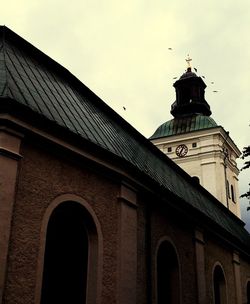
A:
(195, 69)
(215, 91)
(203, 77)
(170, 49)
(175, 77)
(124, 108)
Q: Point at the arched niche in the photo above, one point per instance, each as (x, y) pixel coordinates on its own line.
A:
(168, 274)
(70, 261)
(219, 285)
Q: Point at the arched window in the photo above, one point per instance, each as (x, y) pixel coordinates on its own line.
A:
(66, 255)
(168, 281)
(220, 296)
(196, 179)
(248, 292)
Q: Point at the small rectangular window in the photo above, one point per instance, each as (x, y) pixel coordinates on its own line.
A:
(194, 145)
(169, 149)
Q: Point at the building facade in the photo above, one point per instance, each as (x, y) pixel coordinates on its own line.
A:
(91, 211)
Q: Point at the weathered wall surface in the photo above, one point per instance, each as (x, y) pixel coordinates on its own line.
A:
(165, 224)
(245, 277)
(216, 252)
(42, 178)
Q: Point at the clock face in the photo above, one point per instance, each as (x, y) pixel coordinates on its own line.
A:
(181, 150)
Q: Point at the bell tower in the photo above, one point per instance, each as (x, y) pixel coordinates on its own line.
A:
(190, 95)
(198, 144)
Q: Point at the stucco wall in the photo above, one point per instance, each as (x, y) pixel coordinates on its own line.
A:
(166, 225)
(216, 252)
(245, 277)
(42, 178)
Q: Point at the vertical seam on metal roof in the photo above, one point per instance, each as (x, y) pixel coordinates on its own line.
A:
(27, 87)
(74, 104)
(59, 102)
(54, 106)
(5, 66)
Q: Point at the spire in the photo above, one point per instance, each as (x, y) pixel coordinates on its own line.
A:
(190, 95)
(188, 60)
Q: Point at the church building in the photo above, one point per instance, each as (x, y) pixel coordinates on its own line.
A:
(92, 212)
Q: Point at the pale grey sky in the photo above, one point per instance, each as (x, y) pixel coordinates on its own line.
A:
(119, 49)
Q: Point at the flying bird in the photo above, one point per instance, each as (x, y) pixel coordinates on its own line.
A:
(215, 91)
(170, 49)
(203, 77)
(175, 77)
(124, 108)
(195, 69)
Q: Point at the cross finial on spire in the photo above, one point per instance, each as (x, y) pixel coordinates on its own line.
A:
(188, 60)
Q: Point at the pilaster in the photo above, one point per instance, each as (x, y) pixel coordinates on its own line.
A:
(9, 157)
(127, 252)
(236, 265)
(200, 266)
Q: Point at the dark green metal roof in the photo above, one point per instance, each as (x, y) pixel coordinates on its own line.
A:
(182, 125)
(33, 80)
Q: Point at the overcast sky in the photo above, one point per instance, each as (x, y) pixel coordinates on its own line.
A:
(120, 50)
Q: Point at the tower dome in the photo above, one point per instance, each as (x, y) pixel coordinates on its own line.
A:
(184, 125)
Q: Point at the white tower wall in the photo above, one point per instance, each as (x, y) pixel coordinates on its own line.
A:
(211, 157)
